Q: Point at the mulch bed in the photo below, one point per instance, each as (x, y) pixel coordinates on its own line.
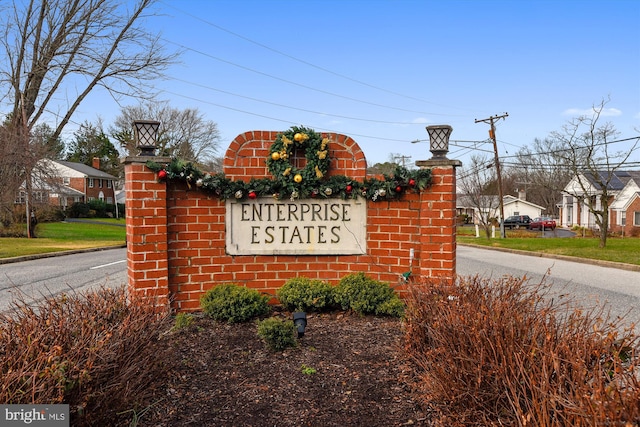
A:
(221, 374)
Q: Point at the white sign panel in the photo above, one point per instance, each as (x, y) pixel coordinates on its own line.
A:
(300, 227)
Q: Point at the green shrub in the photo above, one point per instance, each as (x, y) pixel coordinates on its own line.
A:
(304, 294)
(277, 334)
(99, 207)
(367, 296)
(79, 210)
(183, 320)
(232, 303)
(393, 307)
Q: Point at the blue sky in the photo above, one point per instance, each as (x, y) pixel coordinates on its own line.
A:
(380, 71)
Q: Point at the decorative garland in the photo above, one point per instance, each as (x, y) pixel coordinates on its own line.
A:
(292, 183)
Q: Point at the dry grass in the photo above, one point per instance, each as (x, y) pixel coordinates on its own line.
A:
(502, 353)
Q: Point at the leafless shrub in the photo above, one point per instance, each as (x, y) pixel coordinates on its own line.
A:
(504, 352)
(91, 351)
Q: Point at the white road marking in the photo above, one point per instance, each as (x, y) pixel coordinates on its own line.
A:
(107, 265)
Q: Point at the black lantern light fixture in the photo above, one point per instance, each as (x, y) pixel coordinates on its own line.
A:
(439, 140)
(145, 135)
(300, 322)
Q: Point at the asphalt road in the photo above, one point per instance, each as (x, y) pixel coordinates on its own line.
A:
(34, 280)
(590, 285)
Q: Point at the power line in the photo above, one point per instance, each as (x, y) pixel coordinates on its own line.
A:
(307, 63)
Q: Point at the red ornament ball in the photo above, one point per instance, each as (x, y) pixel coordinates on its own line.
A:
(252, 194)
(398, 189)
(349, 188)
(412, 182)
(162, 174)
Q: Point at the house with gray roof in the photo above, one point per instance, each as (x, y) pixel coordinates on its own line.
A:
(62, 183)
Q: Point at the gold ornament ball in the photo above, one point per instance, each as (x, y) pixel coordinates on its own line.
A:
(298, 178)
(298, 137)
(275, 156)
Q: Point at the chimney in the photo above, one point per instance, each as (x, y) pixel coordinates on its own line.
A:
(522, 195)
(96, 163)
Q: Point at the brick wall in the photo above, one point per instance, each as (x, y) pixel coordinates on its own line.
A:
(630, 229)
(176, 236)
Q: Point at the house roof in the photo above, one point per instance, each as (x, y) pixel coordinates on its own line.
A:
(619, 178)
(508, 199)
(466, 201)
(86, 170)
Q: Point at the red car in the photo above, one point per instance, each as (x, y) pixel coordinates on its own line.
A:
(542, 223)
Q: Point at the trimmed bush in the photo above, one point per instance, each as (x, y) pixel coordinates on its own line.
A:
(277, 334)
(232, 303)
(304, 294)
(364, 295)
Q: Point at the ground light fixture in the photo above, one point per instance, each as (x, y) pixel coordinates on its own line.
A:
(439, 140)
(145, 135)
(300, 322)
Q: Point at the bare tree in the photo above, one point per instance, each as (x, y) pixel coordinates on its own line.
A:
(62, 50)
(476, 186)
(541, 170)
(592, 163)
(183, 133)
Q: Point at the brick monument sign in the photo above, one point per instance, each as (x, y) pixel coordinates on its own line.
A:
(289, 204)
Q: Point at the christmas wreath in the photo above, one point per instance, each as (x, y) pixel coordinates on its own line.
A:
(316, 151)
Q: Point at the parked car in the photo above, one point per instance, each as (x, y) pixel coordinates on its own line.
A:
(517, 221)
(542, 223)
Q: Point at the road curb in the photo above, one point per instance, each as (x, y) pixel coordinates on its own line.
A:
(55, 254)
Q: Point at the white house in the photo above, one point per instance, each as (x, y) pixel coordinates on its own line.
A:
(491, 207)
(520, 206)
(623, 189)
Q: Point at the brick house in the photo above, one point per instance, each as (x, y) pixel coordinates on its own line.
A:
(62, 183)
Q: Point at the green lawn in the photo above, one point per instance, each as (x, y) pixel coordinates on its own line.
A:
(617, 250)
(64, 236)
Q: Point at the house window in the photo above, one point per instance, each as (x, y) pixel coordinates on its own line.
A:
(90, 182)
(91, 199)
(636, 219)
(40, 196)
(66, 181)
(100, 183)
(110, 200)
(623, 218)
(21, 198)
(108, 183)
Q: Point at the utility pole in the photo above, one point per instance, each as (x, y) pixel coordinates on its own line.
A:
(492, 134)
(403, 158)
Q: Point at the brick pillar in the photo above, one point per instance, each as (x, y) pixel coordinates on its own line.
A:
(437, 257)
(146, 219)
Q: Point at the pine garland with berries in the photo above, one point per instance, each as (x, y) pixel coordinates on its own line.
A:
(291, 183)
